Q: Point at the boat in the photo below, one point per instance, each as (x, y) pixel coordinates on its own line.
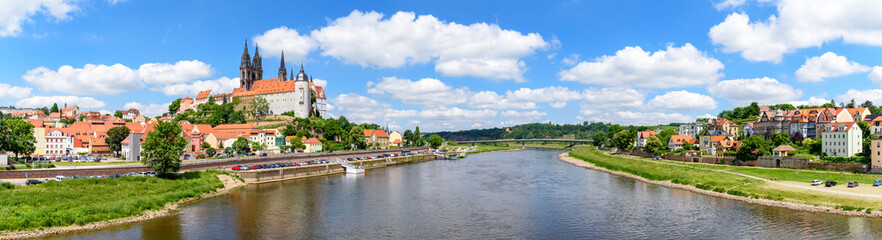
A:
(352, 168)
(450, 156)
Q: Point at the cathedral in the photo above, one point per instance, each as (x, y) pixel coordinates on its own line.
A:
(284, 94)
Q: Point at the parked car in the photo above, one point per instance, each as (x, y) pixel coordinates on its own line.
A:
(830, 183)
(816, 182)
(33, 182)
(263, 154)
(852, 184)
(877, 183)
(59, 178)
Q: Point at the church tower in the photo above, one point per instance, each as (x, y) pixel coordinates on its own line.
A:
(283, 75)
(303, 104)
(250, 70)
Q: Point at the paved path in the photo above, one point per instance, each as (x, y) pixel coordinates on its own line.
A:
(765, 180)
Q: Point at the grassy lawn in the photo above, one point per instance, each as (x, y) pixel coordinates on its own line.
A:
(682, 174)
(92, 163)
(691, 174)
(82, 201)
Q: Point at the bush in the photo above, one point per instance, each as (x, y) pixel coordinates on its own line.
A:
(703, 186)
(855, 159)
(6, 185)
(719, 190)
(737, 193)
(847, 207)
(869, 210)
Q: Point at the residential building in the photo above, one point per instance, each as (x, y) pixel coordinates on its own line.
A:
(195, 135)
(201, 98)
(747, 130)
(805, 123)
(395, 139)
(218, 139)
(321, 101)
(129, 114)
(876, 156)
(131, 147)
(725, 125)
(186, 104)
(376, 138)
(313, 145)
(772, 121)
(858, 114)
(139, 119)
(678, 141)
(643, 136)
(712, 139)
(58, 142)
(692, 129)
(40, 139)
(875, 125)
(841, 139)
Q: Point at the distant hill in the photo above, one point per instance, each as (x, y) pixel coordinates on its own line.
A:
(528, 131)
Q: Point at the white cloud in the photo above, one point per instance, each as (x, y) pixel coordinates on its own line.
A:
(682, 100)
(454, 113)
(762, 90)
(89, 80)
(354, 101)
(726, 4)
(14, 13)
(546, 94)
(8, 91)
(480, 49)
(633, 67)
(559, 105)
(571, 60)
(320, 82)
(151, 110)
(812, 101)
(829, 65)
(220, 85)
(180, 72)
(610, 99)
(492, 100)
(426, 91)
(860, 96)
(641, 118)
(43, 101)
(800, 24)
(876, 75)
(279, 39)
(531, 115)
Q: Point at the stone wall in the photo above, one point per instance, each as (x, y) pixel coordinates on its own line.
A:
(277, 174)
(851, 167)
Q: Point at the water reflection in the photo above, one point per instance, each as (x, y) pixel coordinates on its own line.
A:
(522, 195)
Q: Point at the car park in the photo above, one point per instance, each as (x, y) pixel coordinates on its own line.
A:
(816, 182)
(852, 184)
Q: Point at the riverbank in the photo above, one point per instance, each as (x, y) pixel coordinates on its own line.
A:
(720, 182)
(91, 204)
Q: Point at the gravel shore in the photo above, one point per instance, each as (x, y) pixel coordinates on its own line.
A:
(765, 202)
(169, 209)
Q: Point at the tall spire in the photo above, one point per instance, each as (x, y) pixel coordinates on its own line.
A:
(283, 60)
(282, 69)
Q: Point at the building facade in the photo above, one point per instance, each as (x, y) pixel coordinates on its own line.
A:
(841, 139)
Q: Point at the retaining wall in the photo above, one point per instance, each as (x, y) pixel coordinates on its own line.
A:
(278, 174)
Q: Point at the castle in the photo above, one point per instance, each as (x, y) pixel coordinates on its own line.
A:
(283, 93)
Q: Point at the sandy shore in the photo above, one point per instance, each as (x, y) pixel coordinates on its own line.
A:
(169, 209)
(765, 202)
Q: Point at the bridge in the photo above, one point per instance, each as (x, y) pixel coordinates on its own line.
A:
(525, 140)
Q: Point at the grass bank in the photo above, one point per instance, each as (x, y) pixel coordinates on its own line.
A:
(83, 201)
(63, 163)
(710, 178)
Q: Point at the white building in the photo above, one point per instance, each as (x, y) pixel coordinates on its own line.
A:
(692, 129)
(841, 139)
(58, 143)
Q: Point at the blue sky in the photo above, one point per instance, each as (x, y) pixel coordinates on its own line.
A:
(452, 65)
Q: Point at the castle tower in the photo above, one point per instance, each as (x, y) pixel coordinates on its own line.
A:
(257, 65)
(303, 104)
(283, 75)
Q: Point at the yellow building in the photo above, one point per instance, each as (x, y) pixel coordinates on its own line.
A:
(395, 139)
(312, 145)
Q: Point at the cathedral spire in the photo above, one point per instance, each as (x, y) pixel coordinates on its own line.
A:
(282, 69)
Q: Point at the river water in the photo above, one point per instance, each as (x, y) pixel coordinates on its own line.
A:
(527, 194)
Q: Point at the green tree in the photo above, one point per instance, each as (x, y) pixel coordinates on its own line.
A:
(54, 108)
(174, 106)
(779, 139)
(256, 146)
(666, 135)
(205, 145)
(241, 145)
(17, 136)
(865, 128)
(656, 145)
(296, 142)
(435, 141)
(407, 136)
(356, 137)
(115, 136)
(599, 139)
(117, 114)
(163, 148)
(210, 151)
(623, 139)
(332, 130)
(259, 108)
(751, 144)
(80, 117)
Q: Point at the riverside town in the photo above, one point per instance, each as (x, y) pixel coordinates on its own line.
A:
(714, 119)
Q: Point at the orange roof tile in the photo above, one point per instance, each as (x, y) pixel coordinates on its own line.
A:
(680, 139)
(312, 140)
(646, 134)
(320, 92)
(203, 95)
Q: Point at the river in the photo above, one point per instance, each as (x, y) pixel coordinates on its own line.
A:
(527, 194)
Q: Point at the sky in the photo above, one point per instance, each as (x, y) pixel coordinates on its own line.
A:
(451, 65)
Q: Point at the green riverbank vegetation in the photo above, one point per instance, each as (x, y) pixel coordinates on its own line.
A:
(708, 177)
(83, 201)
